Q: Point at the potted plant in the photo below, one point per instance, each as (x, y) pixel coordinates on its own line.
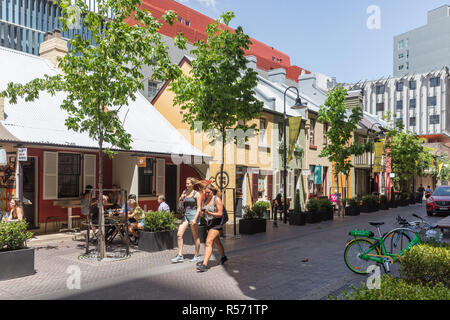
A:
(16, 259)
(412, 198)
(298, 217)
(160, 231)
(326, 209)
(312, 213)
(384, 202)
(252, 222)
(353, 207)
(262, 208)
(366, 203)
(403, 199)
(394, 201)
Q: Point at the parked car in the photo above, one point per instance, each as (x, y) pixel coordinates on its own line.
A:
(439, 201)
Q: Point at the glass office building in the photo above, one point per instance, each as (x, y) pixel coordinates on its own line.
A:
(23, 23)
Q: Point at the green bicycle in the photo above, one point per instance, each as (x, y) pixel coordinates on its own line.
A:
(365, 249)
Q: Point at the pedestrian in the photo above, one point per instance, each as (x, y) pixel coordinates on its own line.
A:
(163, 206)
(212, 210)
(16, 213)
(136, 218)
(421, 190)
(428, 192)
(192, 199)
(278, 205)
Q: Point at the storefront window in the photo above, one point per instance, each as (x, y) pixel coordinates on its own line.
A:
(146, 178)
(69, 172)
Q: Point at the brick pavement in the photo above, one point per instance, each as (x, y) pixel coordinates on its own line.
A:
(261, 266)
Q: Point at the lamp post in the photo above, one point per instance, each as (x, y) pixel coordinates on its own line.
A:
(371, 156)
(299, 105)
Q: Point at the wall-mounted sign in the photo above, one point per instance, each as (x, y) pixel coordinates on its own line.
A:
(23, 154)
(306, 172)
(3, 157)
(392, 175)
(141, 162)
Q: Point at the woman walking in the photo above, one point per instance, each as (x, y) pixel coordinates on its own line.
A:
(192, 198)
(212, 211)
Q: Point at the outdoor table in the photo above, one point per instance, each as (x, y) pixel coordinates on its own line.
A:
(69, 205)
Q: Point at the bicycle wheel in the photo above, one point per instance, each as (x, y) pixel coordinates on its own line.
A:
(352, 254)
(396, 240)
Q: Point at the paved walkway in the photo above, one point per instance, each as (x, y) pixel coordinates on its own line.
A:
(261, 266)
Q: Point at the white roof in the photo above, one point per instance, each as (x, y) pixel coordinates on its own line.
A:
(43, 121)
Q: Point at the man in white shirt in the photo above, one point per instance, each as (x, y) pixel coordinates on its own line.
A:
(163, 206)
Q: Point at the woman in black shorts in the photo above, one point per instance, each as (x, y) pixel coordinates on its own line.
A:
(212, 211)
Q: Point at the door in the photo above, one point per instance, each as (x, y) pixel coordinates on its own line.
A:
(29, 190)
(171, 186)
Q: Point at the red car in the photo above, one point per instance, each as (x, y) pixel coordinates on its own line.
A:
(439, 202)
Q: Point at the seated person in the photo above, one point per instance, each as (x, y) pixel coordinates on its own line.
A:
(136, 218)
(85, 201)
(130, 197)
(94, 210)
(16, 212)
(116, 197)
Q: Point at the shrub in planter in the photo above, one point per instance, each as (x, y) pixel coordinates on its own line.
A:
(403, 199)
(160, 231)
(398, 289)
(426, 264)
(252, 221)
(16, 260)
(369, 203)
(412, 197)
(261, 208)
(297, 217)
(326, 209)
(353, 208)
(312, 213)
(384, 202)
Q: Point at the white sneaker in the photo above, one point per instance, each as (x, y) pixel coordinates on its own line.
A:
(178, 259)
(195, 259)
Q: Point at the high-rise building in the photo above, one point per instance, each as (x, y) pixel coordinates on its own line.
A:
(426, 48)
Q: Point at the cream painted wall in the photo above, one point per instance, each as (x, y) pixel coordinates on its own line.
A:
(125, 172)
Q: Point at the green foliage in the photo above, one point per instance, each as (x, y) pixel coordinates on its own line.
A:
(297, 207)
(250, 213)
(325, 204)
(260, 207)
(353, 202)
(383, 199)
(398, 289)
(13, 235)
(370, 200)
(425, 264)
(312, 205)
(155, 221)
(404, 196)
(343, 122)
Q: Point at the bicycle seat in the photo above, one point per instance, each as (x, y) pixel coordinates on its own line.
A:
(376, 224)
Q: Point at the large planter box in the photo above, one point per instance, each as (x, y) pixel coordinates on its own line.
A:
(352, 211)
(313, 217)
(384, 206)
(403, 203)
(157, 241)
(16, 263)
(252, 226)
(297, 219)
(189, 239)
(326, 215)
(393, 204)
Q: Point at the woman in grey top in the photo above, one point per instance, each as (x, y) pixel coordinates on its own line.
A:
(192, 198)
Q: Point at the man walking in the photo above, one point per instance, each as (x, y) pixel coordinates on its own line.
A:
(421, 190)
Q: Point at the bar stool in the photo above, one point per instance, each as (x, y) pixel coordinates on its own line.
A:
(52, 218)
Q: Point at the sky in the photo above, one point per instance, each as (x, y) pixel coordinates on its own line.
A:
(351, 40)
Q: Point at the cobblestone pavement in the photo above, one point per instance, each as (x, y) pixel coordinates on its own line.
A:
(261, 266)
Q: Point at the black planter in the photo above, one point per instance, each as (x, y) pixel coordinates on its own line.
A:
(297, 219)
(366, 208)
(189, 239)
(16, 263)
(252, 226)
(313, 217)
(326, 215)
(403, 203)
(352, 211)
(157, 241)
(384, 206)
(393, 204)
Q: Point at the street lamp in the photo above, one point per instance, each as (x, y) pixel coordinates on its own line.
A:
(371, 152)
(299, 105)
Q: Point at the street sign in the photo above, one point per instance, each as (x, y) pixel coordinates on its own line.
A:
(23, 154)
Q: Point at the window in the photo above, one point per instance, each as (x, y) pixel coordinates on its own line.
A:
(146, 178)
(188, 23)
(380, 106)
(401, 44)
(399, 86)
(152, 89)
(399, 105)
(434, 119)
(412, 85)
(435, 82)
(262, 132)
(412, 103)
(401, 55)
(180, 19)
(407, 65)
(311, 132)
(431, 101)
(380, 89)
(262, 187)
(69, 173)
(412, 121)
(401, 67)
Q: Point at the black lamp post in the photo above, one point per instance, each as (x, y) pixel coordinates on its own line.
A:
(299, 105)
(371, 152)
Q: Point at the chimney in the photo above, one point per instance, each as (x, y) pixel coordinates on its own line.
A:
(306, 81)
(53, 46)
(277, 75)
(251, 64)
(2, 108)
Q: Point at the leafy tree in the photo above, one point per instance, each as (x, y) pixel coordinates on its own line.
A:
(343, 122)
(219, 89)
(101, 75)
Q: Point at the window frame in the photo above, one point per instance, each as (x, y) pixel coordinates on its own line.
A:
(78, 179)
(312, 129)
(399, 105)
(415, 103)
(142, 175)
(399, 84)
(434, 116)
(415, 84)
(437, 82)
(430, 99)
(380, 89)
(378, 105)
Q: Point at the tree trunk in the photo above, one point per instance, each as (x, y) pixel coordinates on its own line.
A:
(223, 162)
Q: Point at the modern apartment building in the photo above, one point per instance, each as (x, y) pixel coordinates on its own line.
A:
(425, 48)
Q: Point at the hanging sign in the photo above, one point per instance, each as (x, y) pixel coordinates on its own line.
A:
(142, 162)
(23, 154)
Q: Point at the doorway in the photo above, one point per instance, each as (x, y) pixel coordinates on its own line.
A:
(171, 186)
(30, 191)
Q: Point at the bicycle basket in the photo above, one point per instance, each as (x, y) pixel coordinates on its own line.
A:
(361, 233)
